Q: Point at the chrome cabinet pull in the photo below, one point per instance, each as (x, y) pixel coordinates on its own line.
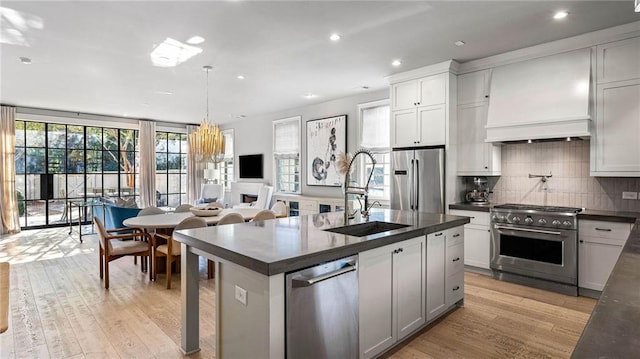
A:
(603, 229)
(456, 235)
(438, 234)
(456, 288)
(456, 259)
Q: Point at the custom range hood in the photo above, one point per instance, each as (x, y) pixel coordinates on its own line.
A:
(541, 98)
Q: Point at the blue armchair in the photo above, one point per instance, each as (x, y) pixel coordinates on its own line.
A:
(116, 215)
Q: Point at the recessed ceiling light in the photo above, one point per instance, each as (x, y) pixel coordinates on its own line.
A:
(459, 43)
(529, 141)
(334, 37)
(396, 63)
(125, 114)
(25, 60)
(164, 92)
(195, 40)
(560, 15)
(309, 95)
(240, 77)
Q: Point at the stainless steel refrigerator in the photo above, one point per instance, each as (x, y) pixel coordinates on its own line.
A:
(417, 179)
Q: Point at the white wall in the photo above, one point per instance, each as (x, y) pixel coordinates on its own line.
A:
(255, 135)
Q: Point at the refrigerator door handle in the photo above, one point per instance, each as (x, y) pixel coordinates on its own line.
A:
(417, 185)
(411, 184)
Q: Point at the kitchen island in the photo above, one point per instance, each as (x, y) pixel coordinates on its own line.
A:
(252, 260)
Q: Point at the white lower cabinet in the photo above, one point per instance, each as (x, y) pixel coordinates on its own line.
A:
(454, 268)
(600, 245)
(391, 294)
(477, 238)
(436, 276)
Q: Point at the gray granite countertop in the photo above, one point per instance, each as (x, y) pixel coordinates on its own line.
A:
(471, 207)
(611, 216)
(287, 244)
(613, 330)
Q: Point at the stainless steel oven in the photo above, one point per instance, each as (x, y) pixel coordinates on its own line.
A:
(534, 246)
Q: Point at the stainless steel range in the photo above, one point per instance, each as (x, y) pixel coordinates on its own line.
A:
(536, 246)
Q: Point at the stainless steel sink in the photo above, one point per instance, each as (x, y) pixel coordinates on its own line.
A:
(365, 229)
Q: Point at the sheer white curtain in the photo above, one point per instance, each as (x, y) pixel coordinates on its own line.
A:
(195, 171)
(147, 163)
(8, 200)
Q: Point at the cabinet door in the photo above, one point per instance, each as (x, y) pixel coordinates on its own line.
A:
(432, 90)
(404, 95)
(436, 296)
(432, 125)
(619, 61)
(472, 150)
(403, 128)
(473, 87)
(477, 244)
(409, 271)
(596, 259)
(375, 278)
(618, 128)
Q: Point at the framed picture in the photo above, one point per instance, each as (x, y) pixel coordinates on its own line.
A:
(326, 138)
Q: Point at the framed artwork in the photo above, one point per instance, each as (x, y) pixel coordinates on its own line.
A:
(326, 137)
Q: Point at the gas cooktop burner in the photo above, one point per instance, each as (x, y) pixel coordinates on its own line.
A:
(532, 207)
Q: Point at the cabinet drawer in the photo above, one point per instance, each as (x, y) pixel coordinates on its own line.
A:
(455, 259)
(612, 230)
(480, 218)
(455, 288)
(308, 205)
(455, 236)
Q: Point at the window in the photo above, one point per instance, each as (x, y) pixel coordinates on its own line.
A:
(226, 166)
(286, 154)
(374, 136)
(171, 169)
(57, 163)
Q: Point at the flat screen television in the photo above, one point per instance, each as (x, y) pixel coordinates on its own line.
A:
(250, 166)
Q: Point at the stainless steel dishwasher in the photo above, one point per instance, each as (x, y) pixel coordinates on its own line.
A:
(322, 311)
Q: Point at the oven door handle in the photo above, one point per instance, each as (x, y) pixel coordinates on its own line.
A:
(527, 230)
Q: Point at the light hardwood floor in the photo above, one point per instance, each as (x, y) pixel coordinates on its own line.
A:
(59, 309)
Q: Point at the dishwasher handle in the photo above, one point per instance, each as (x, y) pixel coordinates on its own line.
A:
(305, 282)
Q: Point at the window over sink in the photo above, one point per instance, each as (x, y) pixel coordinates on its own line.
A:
(373, 128)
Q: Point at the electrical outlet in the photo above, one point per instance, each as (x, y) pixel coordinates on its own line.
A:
(241, 295)
(629, 195)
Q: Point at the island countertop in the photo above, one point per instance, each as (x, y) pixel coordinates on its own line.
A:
(287, 244)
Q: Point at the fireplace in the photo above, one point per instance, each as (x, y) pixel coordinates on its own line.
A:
(248, 198)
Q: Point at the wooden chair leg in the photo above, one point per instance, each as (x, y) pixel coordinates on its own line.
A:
(106, 273)
(210, 269)
(155, 265)
(101, 256)
(150, 268)
(169, 260)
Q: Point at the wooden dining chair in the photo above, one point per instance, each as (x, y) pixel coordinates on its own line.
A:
(264, 215)
(172, 249)
(112, 247)
(183, 208)
(231, 218)
(150, 211)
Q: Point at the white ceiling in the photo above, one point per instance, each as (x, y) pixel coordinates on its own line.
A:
(93, 57)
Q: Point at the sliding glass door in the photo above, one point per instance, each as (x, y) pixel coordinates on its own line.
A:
(59, 163)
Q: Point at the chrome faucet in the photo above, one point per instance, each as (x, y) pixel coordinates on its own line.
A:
(357, 190)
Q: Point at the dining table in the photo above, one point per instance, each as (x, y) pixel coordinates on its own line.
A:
(170, 220)
(166, 222)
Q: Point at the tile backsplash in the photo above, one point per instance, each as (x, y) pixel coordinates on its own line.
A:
(570, 184)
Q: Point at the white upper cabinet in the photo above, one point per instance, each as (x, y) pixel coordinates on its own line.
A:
(418, 111)
(615, 149)
(619, 61)
(473, 87)
(475, 156)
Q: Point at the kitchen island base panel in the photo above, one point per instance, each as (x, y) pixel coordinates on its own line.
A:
(189, 301)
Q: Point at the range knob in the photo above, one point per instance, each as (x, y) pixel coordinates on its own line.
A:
(497, 218)
(542, 221)
(556, 222)
(515, 219)
(567, 223)
(528, 220)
